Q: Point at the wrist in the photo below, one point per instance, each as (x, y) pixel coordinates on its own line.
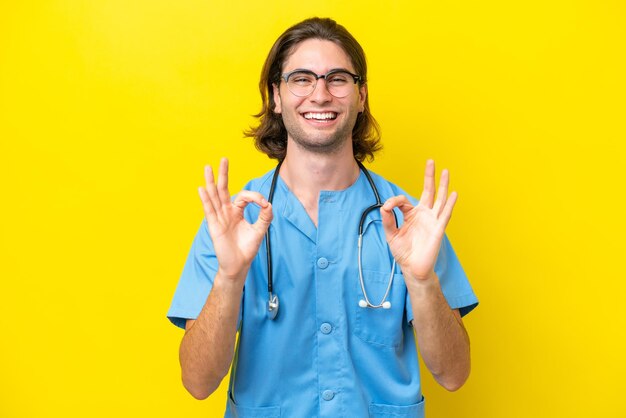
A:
(421, 284)
(421, 276)
(231, 279)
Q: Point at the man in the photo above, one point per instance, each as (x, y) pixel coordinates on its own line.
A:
(341, 340)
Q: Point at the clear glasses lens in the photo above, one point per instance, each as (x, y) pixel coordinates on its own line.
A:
(339, 83)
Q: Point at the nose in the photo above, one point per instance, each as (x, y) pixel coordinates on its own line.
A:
(320, 93)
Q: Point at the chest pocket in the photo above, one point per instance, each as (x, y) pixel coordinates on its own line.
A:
(379, 326)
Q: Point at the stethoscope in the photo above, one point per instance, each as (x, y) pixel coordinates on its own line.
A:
(273, 302)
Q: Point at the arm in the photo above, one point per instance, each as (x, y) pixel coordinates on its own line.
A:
(442, 339)
(206, 350)
(441, 336)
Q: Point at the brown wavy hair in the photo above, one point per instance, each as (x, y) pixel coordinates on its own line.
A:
(270, 136)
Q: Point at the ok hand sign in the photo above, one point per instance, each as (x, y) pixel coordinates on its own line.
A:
(416, 244)
(236, 241)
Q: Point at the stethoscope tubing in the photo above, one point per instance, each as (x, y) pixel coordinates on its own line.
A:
(383, 303)
(273, 302)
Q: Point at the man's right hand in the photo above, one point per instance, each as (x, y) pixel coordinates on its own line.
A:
(235, 240)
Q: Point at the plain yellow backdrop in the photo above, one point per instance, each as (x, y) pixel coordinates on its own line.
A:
(109, 110)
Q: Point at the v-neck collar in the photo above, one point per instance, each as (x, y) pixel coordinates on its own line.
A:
(293, 210)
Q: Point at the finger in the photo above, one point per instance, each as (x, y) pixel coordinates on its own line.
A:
(211, 189)
(428, 194)
(265, 218)
(246, 196)
(401, 202)
(207, 206)
(446, 213)
(222, 182)
(442, 192)
(265, 215)
(208, 176)
(389, 223)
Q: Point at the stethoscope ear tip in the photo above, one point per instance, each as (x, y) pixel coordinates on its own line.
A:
(386, 304)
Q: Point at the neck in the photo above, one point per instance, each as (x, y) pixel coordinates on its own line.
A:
(312, 172)
(307, 173)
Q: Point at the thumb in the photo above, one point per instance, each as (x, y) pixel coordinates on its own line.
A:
(265, 218)
(389, 222)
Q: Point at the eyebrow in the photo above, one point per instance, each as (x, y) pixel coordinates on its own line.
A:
(308, 70)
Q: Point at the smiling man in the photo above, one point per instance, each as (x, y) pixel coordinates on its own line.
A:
(330, 274)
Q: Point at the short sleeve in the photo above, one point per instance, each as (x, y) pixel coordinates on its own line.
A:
(196, 280)
(454, 283)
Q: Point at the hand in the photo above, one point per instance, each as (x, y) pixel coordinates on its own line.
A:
(235, 240)
(416, 244)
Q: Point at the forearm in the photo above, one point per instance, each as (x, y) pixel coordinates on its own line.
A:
(442, 339)
(207, 348)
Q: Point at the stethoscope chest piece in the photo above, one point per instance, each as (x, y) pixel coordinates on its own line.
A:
(272, 306)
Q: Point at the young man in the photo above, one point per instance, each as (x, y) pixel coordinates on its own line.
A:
(327, 319)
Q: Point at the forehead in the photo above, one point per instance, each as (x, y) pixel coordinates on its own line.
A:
(317, 55)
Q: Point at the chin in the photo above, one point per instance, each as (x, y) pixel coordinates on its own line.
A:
(318, 145)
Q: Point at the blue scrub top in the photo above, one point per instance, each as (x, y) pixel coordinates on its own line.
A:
(323, 355)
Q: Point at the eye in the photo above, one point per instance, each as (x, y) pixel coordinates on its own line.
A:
(339, 79)
(301, 79)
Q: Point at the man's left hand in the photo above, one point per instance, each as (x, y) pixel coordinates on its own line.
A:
(415, 245)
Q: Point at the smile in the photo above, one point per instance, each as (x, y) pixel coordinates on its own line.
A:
(320, 116)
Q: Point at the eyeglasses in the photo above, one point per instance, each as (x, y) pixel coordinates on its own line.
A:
(338, 82)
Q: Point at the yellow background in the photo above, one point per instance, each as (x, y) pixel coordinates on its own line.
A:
(110, 109)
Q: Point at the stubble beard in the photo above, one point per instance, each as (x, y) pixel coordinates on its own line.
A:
(320, 142)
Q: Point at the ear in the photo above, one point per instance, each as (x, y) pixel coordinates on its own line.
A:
(362, 97)
(277, 107)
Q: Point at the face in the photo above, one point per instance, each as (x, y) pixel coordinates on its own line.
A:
(320, 122)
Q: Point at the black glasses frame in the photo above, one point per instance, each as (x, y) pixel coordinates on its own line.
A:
(285, 76)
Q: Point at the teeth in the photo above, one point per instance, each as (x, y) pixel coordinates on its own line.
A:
(320, 116)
